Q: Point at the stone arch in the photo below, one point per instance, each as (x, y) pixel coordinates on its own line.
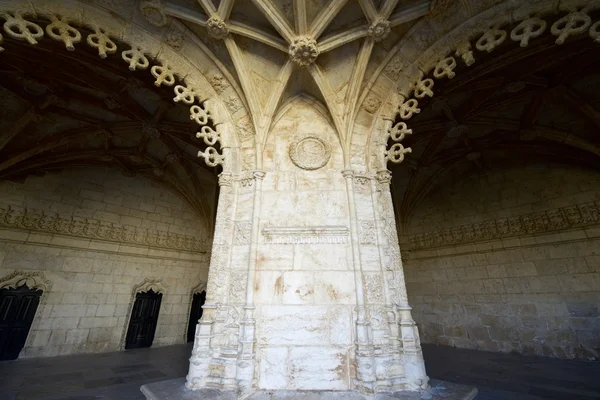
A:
(33, 280)
(152, 49)
(157, 286)
(199, 288)
(408, 75)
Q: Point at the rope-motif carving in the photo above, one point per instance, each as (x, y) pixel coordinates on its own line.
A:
(94, 229)
(60, 29)
(547, 221)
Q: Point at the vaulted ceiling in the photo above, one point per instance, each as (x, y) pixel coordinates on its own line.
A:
(538, 104)
(63, 109)
(279, 49)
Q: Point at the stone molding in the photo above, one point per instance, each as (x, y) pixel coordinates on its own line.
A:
(149, 284)
(33, 280)
(306, 234)
(34, 220)
(554, 220)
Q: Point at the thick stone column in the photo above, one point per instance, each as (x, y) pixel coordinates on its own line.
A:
(306, 289)
(403, 329)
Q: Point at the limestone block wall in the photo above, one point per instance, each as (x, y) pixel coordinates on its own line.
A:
(92, 281)
(533, 286)
(304, 287)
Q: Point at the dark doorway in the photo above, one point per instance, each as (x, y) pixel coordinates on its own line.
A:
(144, 318)
(17, 309)
(195, 314)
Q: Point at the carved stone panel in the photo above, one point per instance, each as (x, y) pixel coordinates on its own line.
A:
(310, 152)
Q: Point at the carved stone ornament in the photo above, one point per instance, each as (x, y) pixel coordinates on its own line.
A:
(306, 234)
(379, 29)
(150, 284)
(310, 152)
(303, 51)
(33, 280)
(216, 27)
(154, 12)
(35, 220)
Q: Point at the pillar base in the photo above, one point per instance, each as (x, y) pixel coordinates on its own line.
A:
(175, 389)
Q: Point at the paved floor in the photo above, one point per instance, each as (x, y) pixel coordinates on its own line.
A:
(118, 376)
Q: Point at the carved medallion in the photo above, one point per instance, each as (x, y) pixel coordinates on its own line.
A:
(310, 152)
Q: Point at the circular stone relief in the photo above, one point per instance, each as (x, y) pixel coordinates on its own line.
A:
(310, 152)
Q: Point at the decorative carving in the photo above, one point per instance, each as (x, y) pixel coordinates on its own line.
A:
(408, 108)
(396, 153)
(60, 30)
(244, 129)
(528, 29)
(491, 39)
(98, 230)
(310, 152)
(372, 103)
(216, 27)
(379, 29)
(184, 94)
(33, 280)
(399, 131)
(572, 23)
(594, 32)
(463, 50)
(367, 232)
(101, 41)
(19, 28)
(445, 68)
(373, 288)
(211, 157)
(548, 221)
(424, 87)
(201, 115)
(237, 287)
(136, 58)
(306, 235)
(303, 51)
(219, 83)
(233, 104)
(154, 12)
(243, 232)
(156, 285)
(174, 38)
(163, 75)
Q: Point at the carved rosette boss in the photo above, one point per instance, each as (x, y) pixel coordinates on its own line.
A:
(303, 51)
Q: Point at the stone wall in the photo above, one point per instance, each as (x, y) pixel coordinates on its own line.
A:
(304, 290)
(480, 277)
(146, 234)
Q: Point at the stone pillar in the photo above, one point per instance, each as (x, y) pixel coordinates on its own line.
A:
(403, 329)
(365, 374)
(246, 359)
(211, 363)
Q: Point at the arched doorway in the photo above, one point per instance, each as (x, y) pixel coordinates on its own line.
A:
(198, 300)
(143, 321)
(17, 310)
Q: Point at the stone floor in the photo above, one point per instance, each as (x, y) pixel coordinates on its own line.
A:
(118, 376)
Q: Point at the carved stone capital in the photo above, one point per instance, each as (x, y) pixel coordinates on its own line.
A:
(384, 177)
(259, 175)
(154, 12)
(217, 28)
(348, 173)
(303, 51)
(225, 179)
